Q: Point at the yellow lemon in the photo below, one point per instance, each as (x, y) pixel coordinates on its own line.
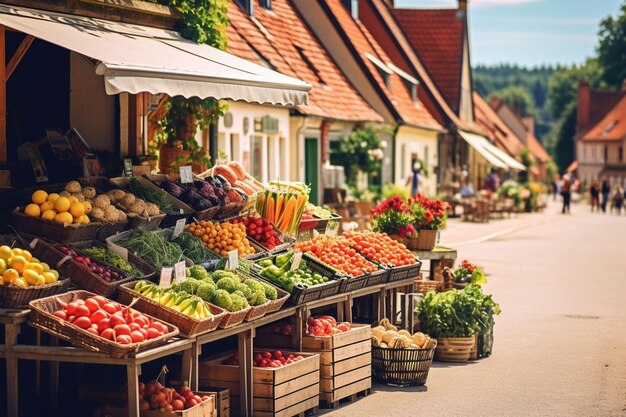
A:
(35, 267)
(84, 219)
(39, 197)
(32, 277)
(45, 266)
(49, 214)
(34, 260)
(5, 252)
(18, 263)
(52, 197)
(16, 252)
(10, 275)
(62, 204)
(32, 210)
(49, 277)
(64, 217)
(27, 255)
(41, 281)
(48, 205)
(20, 282)
(72, 199)
(55, 273)
(3, 266)
(88, 207)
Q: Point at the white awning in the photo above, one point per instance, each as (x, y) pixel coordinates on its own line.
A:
(481, 145)
(506, 158)
(134, 59)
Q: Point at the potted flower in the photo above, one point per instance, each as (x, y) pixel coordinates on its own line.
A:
(429, 216)
(456, 318)
(392, 216)
(465, 274)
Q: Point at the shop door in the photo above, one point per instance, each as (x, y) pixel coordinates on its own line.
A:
(311, 167)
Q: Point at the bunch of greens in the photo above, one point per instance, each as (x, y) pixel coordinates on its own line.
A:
(193, 248)
(112, 259)
(457, 313)
(152, 247)
(153, 196)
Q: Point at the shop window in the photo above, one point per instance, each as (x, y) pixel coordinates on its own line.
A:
(620, 154)
(256, 161)
(235, 151)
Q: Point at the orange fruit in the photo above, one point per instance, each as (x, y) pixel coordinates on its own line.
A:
(49, 214)
(10, 275)
(72, 199)
(84, 219)
(77, 209)
(27, 255)
(88, 207)
(62, 204)
(49, 277)
(48, 205)
(20, 282)
(32, 210)
(39, 197)
(34, 267)
(5, 252)
(31, 277)
(18, 263)
(64, 217)
(52, 197)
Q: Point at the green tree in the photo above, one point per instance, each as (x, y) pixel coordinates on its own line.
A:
(563, 85)
(564, 139)
(517, 97)
(612, 48)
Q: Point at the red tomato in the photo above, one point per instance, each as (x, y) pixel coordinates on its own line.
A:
(80, 302)
(116, 319)
(98, 316)
(62, 314)
(123, 339)
(100, 299)
(134, 326)
(83, 322)
(71, 318)
(71, 308)
(82, 311)
(137, 336)
(178, 405)
(122, 329)
(103, 324)
(152, 332)
(108, 334)
(92, 305)
(110, 308)
(93, 331)
(278, 354)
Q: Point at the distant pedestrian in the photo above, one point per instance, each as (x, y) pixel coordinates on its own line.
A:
(555, 186)
(566, 186)
(594, 194)
(415, 178)
(618, 199)
(606, 189)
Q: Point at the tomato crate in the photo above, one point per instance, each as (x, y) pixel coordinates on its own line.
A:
(222, 400)
(278, 392)
(345, 362)
(404, 272)
(204, 409)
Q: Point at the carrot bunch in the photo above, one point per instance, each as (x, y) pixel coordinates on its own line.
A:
(283, 204)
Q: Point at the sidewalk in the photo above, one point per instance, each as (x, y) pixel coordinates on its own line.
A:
(459, 233)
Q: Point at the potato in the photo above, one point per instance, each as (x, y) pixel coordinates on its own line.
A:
(388, 335)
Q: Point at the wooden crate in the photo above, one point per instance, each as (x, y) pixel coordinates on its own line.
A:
(204, 409)
(278, 392)
(222, 399)
(345, 362)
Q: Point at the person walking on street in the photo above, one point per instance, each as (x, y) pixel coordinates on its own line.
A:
(618, 199)
(594, 193)
(606, 189)
(414, 180)
(566, 186)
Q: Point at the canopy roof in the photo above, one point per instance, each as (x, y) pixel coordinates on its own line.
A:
(134, 58)
(493, 155)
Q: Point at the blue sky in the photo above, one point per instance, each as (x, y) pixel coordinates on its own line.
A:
(530, 32)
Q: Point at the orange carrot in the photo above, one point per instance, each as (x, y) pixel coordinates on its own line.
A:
(279, 207)
(288, 213)
(269, 215)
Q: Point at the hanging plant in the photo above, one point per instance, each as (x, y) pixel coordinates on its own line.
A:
(361, 151)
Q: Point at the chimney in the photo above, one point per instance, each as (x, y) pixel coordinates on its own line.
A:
(463, 5)
(247, 6)
(529, 122)
(353, 7)
(584, 102)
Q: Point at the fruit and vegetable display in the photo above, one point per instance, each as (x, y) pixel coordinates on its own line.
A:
(151, 195)
(204, 194)
(18, 267)
(133, 205)
(111, 320)
(267, 359)
(380, 248)
(152, 247)
(237, 177)
(325, 326)
(386, 335)
(106, 256)
(261, 230)
(178, 300)
(155, 396)
(222, 237)
(193, 248)
(284, 329)
(283, 204)
(277, 269)
(98, 268)
(337, 253)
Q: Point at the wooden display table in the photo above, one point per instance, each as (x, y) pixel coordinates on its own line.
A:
(12, 320)
(439, 257)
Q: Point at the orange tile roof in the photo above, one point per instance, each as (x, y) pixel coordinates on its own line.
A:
(495, 127)
(610, 126)
(364, 45)
(537, 148)
(286, 42)
(437, 36)
(378, 16)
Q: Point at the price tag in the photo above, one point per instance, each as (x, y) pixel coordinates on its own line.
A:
(185, 174)
(119, 251)
(233, 259)
(166, 278)
(331, 229)
(179, 272)
(178, 229)
(295, 260)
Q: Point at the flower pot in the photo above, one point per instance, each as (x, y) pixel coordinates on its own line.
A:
(425, 240)
(459, 285)
(454, 349)
(187, 129)
(168, 155)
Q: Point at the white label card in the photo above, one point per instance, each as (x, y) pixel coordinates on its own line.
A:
(331, 232)
(185, 174)
(178, 229)
(119, 251)
(233, 259)
(179, 272)
(295, 260)
(166, 278)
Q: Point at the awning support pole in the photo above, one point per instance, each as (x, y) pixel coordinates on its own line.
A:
(18, 55)
(3, 98)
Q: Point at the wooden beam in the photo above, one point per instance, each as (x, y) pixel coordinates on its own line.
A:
(18, 55)
(133, 126)
(3, 98)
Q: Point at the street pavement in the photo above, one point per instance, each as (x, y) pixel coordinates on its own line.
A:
(560, 342)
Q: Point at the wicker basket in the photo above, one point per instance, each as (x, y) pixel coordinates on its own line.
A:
(401, 367)
(54, 230)
(424, 286)
(277, 304)
(425, 240)
(42, 317)
(234, 318)
(187, 326)
(12, 296)
(454, 349)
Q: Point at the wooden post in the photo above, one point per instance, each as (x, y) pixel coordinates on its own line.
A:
(3, 97)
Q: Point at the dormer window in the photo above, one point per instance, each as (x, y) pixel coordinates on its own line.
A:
(610, 127)
(410, 82)
(353, 7)
(261, 58)
(266, 4)
(383, 70)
